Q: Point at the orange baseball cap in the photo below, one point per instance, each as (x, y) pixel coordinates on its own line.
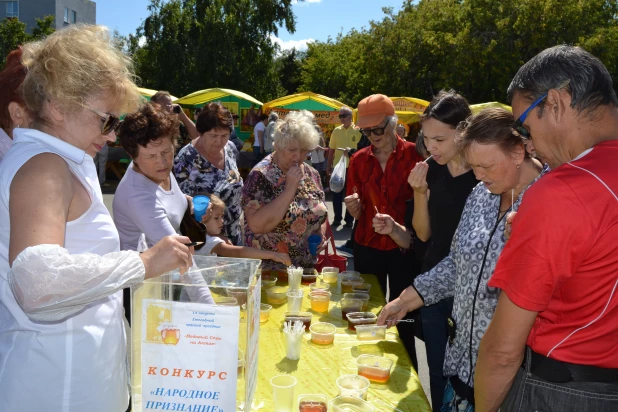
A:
(373, 109)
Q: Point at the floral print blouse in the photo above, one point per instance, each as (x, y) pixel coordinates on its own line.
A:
(464, 274)
(305, 215)
(196, 175)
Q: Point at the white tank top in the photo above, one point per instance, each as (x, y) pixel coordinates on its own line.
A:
(78, 364)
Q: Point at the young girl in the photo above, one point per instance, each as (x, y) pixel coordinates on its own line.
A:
(213, 219)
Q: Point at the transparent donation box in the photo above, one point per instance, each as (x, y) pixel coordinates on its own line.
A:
(194, 344)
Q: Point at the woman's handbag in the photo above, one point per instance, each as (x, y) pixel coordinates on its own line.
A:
(191, 228)
(331, 260)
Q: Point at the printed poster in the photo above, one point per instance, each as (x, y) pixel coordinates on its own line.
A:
(189, 356)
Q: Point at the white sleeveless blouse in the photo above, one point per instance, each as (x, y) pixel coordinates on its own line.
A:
(78, 364)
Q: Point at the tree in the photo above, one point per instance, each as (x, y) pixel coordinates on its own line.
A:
(13, 33)
(473, 46)
(188, 45)
(289, 65)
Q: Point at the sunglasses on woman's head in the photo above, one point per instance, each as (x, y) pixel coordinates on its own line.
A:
(109, 122)
(378, 131)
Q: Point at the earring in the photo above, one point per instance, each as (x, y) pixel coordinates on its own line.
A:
(518, 165)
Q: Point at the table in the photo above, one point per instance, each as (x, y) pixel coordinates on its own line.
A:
(320, 366)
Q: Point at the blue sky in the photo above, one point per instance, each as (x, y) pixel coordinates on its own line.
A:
(315, 19)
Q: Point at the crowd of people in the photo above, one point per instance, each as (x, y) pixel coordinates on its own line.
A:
(496, 232)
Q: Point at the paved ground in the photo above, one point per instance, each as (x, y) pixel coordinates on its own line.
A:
(341, 235)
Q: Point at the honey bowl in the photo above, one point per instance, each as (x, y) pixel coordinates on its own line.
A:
(348, 285)
(320, 300)
(268, 281)
(374, 368)
(277, 295)
(304, 317)
(370, 332)
(364, 288)
(309, 276)
(312, 403)
(319, 286)
(322, 333)
(360, 296)
(360, 318)
(264, 312)
(350, 305)
(353, 385)
(330, 274)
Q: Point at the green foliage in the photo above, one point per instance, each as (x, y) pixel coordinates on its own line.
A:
(473, 46)
(188, 45)
(13, 33)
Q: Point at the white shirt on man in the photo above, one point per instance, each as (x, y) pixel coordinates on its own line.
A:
(259, 127)
(142, 206)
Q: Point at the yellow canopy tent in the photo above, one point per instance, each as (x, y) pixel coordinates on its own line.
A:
(244, 106)
(482, 106)
(149, 93)
(325, 109)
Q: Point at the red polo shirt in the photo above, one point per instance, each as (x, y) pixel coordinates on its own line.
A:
(387, 190)
(562, 260)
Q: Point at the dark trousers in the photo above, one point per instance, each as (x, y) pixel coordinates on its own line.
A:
(531, 393)
(338, 207)
(400, 268)
(257, 155)
(435, 333)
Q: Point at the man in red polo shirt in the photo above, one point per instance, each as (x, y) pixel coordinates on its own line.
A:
(377, 181)
(559, 270)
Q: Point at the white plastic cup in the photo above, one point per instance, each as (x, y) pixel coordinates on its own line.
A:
(283, 393)
(295, 300)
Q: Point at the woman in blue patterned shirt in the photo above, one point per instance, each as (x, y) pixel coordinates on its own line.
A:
(207, 165)
(501, 162)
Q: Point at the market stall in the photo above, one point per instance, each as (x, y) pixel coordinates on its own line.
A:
(482, 106)
(325, 109)
(245, 107)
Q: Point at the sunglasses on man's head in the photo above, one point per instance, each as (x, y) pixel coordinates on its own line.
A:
(378, 131)
(109, 122)
(519, 123)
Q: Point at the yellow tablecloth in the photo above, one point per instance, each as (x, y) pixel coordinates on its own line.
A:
(320, 366)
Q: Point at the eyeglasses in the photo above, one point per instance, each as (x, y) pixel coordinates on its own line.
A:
(378, 131)
(109, 122)
(343, 116)
(519, 124)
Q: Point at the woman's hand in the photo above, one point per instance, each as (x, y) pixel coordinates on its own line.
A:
(383, 224)
(282, 258)
(508, 226)
(393, 312)
(418, 178)
(353, 205)
(293, 178)
(168, 254)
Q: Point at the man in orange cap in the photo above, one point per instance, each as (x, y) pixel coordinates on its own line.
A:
(377, 192)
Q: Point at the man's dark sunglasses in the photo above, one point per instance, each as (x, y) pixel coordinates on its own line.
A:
(343, 116)
(378, 131)
(519, 124)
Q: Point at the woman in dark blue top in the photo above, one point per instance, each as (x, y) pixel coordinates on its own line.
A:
(441, 186)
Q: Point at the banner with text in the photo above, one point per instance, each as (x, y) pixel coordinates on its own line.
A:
(189, 356)
(321, 116)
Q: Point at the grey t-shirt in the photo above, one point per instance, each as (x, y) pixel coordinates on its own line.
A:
(142, 206)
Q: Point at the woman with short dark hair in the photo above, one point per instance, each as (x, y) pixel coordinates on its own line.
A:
(208, 165)
(148, 199)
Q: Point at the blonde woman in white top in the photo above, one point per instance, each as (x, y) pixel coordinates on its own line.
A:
(62, 339)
